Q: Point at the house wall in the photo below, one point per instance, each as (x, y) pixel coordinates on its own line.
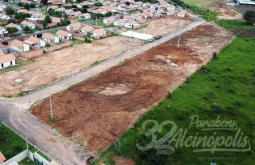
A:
(7, 64)
(16, 158)
(42, 43)
(16, 48)
(56, 40)
(26, 47)
(3, 31)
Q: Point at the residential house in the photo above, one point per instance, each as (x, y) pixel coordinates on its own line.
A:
(68, 12)
(55, 20)
(50, 38)
(19, 46)
(64, 35)
(109, 20)
(2, 7)
(126, 17)
(14, 26)
(3, 30)
(52, 7)
(76, 14)
(119, 22)
(4, 16)
(85, 30)
(2, 158)
(26, 23)
(74, 27)
(85, 16)
(36, 42)
(23, 11)
(37, 16)
(132, 25)
(6, 60)
(171, 12)
(140, 20)
(170, 7)
(60, 9)
(97, 33)
(181, 13)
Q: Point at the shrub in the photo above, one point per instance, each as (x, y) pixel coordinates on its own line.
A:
(217, 108)
(215, 55)
(239, 103)
(231, 90)
(181, 117)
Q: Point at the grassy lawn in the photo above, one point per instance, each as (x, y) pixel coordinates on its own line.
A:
(27, 162)
(75, 41)
(12, 141)
(85, 20)
(235, 24)
(20, 63)
(223, 89)
(203, 3)
(43, 11)
(100, 24)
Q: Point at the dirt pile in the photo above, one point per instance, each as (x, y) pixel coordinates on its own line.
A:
(98, 110)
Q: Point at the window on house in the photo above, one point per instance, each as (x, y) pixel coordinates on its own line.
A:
(11, 63)
(2, 65)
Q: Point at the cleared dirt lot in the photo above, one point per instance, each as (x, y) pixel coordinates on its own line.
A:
(95, 112)
(163, 26)
(61, 63)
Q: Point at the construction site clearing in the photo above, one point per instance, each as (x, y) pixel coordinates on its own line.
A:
(97, 111)
(55, 65)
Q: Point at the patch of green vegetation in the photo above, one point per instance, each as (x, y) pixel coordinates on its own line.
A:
(19, 64)
(7, 95)
(44, 156)
(76, 41)
(85, 20)
(11, 143)
(135, 11)
(239, 24)
(27, 162)
(80, 144)
(223, 88)
(71, 86)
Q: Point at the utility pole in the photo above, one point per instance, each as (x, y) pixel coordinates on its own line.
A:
(51, 116)
(27, 148)
(179, 41)
(96, 20)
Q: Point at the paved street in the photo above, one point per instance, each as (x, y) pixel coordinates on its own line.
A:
(62, 150)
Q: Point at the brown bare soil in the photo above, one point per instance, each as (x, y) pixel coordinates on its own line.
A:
(123, 161)
(60, 63)
(227, 12)
(163, 26)
(100, 109)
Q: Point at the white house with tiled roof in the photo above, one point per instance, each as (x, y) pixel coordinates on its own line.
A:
(19, 46)
(6, 60)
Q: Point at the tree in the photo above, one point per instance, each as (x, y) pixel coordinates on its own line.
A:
(32, 5)
(3, 132)
(249, 17)
(127, 3)
(27, 29)
(47, 19)
(20, 4)
(44, 2)
(11, 29)
(27, 6)
(10, 11)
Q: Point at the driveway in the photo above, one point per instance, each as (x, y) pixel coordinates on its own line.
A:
(62, 150)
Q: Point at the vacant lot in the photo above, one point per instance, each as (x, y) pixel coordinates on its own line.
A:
(100, 109)
(60, 63)
(223, 88)
(163, 26)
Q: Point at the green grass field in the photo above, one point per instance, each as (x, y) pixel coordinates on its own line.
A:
(7, 144)
(238, 24)
(203, 3)
(223, 88)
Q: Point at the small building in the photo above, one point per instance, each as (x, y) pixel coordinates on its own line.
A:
(23, 11)
(37, 16)
(181, 14)
(76, 14)
(55, 20)
(26, 23)
(13, 25)
(64, 35)
(3, 30)
(50, 38)
(170, 7)
(19, 46)
(119, 22)
(97, 33)
(36, 42)
(2, 158)
(74, 27)
(109, 20)
(6, 60)
(132, 25)
(4, 16)
(85, 30)
(2, 7)
(85, 16)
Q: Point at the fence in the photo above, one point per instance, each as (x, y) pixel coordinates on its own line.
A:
(54, 47)
(29, 55)
(16, 158)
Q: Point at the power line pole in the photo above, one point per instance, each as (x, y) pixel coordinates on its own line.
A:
(51, 116)
(179, 41)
